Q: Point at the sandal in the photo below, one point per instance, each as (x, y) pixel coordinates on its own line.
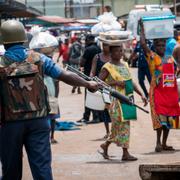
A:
(106, 136)
(129, 158)
(105, 156)
(168, 148)
(53, 141)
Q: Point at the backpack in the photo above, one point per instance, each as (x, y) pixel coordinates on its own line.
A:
(23, 94)
(75, 53)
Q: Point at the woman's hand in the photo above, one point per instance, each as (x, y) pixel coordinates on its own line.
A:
(120, 84)
(145, 101)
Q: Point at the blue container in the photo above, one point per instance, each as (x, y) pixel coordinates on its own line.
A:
(159, 26)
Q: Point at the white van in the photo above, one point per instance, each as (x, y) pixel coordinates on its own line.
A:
(145, 11)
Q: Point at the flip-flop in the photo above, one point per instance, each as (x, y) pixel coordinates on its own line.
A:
(53, 141)
(103, 155)
(168, 148)
(129, 158)
(106, 136)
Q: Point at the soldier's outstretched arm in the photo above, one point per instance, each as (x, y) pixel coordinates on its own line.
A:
(53, 70)
(75, 80)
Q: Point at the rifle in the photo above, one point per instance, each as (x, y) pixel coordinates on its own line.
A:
(105, 88)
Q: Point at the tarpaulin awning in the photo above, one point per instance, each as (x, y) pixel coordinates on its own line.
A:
(55, 19)
(88, 21)
(49, 21)
(75, 28)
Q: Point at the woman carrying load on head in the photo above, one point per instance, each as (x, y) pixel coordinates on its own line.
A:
(164, 105)
(116, 73)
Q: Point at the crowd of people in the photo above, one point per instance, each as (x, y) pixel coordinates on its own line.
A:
(26, 113)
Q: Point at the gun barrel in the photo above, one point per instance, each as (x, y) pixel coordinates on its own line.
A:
(74, 70)
(124, 99)
(113, 92)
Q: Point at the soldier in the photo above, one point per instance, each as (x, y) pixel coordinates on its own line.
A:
(23, 104)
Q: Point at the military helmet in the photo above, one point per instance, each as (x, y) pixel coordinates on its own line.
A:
(12, 31)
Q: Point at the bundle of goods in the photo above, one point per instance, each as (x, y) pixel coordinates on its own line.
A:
(159, 27)
(115, 37)
(107, 22)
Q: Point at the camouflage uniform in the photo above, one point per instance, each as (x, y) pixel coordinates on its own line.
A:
(32, 132)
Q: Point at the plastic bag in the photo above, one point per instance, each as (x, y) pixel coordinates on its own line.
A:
(42, 39)
(107, 23)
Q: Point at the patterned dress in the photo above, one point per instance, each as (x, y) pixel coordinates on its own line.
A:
(163, 92)
(120, 129)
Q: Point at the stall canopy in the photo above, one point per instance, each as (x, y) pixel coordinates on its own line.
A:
(75, 27)
(88, 21)
(50, 20)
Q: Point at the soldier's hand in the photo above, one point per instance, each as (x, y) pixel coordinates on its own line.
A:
(93, 86)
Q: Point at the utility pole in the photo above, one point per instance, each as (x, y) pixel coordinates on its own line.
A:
(44, 7)
(71, 8)
(175, 8)
(65, 8)
(102, 5)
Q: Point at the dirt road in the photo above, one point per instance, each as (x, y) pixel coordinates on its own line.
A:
(75, 157)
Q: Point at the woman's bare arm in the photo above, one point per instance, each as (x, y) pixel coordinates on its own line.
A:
(104, 74)
(93, 67)
(136, 89)
(143, 39)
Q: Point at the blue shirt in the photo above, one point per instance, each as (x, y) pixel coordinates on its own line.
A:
(141, 58)
(170, 44)
(50, 68)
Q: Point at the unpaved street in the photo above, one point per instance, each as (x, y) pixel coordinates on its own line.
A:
(75, 157)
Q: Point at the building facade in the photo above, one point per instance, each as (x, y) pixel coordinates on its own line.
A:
(85, 8)
(48, 7)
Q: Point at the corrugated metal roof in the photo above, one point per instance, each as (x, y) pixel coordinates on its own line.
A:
(17, 9)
